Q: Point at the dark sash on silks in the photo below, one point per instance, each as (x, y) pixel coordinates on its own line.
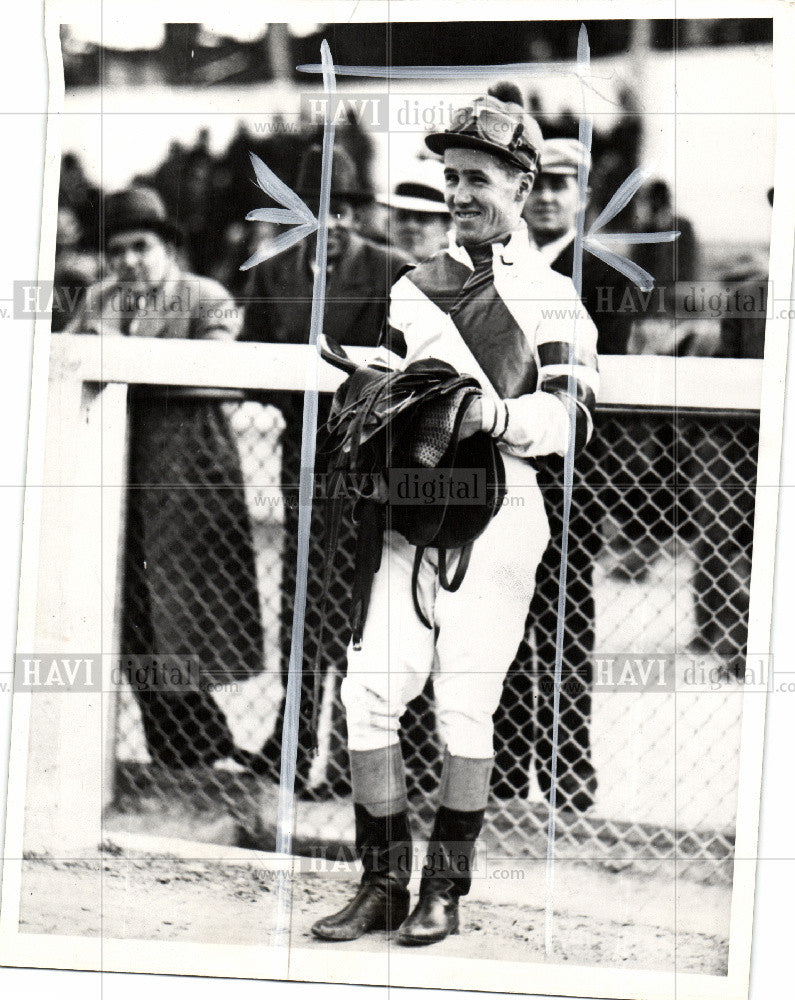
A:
(485, 323)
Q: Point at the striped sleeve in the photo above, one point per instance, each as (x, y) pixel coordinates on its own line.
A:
(541, 422)
(568, 367)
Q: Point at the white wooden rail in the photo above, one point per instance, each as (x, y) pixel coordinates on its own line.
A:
(626, 381)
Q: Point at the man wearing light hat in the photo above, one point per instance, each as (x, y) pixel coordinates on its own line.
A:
(551, 213)
(420, 221)
(482, 306)
(552, 209)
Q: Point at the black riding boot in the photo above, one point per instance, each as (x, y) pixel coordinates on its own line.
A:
(446, 876)
(382, 899)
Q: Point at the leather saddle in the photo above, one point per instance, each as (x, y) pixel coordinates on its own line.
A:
(390, 435)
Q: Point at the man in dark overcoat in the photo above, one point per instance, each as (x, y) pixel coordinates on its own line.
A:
(190, 580)
(278, 306)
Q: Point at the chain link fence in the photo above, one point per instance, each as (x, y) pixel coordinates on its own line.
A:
(658, 567)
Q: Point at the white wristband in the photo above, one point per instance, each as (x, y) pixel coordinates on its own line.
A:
(505, 417)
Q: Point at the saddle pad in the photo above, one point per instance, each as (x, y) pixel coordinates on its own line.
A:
(434, 427)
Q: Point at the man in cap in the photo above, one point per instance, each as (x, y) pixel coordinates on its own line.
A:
(551, 215)
(523, 725)
(278, 306)
(189, 555)
(482, 306)
(419, 217)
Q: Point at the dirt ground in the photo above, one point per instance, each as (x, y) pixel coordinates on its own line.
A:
(234, 902)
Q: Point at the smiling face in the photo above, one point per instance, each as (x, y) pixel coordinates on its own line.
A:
(553, 206)
(485, 198)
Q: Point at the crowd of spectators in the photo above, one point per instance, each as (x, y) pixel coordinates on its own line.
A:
(210, 194)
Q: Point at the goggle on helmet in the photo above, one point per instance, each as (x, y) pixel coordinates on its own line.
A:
(503, 129)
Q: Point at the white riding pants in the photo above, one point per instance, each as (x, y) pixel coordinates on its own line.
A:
(479, 629)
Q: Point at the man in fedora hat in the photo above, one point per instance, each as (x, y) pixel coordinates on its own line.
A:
(278, 306)
(491, 307)
(188, 531)
(147, 294)
(419, 220)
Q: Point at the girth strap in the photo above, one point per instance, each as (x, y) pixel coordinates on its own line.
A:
(332, 533)
(415, 594)
(464, 555)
